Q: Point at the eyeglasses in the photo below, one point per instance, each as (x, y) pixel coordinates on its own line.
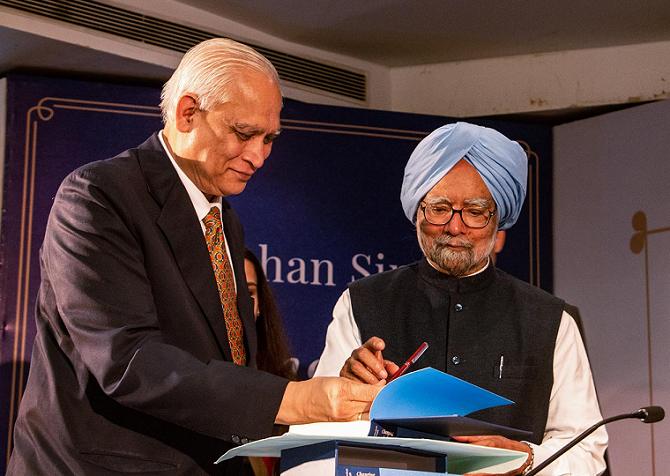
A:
(441, 214)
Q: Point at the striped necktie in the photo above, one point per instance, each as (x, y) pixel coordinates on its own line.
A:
(225, 282)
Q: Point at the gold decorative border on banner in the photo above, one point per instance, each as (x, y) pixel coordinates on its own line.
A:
(533, 197)
(639, 243)
(533, 193)
(45, 111)
(352, 130)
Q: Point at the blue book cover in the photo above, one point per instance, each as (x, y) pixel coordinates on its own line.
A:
(428, 403)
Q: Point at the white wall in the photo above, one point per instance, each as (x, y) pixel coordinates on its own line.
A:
(538, 82)
(605, 170)
(516, 84)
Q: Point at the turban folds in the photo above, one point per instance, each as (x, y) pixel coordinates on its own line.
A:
(501, 162)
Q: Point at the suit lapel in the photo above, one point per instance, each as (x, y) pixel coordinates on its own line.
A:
(181, 228)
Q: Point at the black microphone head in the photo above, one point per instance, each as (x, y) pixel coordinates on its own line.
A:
(651, 414)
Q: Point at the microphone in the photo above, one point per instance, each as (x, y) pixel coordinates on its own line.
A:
(650, 414)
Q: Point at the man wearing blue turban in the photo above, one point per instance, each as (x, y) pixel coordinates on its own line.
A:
(462, 184)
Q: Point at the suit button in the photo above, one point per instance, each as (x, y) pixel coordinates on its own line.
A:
(244, 441)
(458, 307)
(456, 360)
(236, 439)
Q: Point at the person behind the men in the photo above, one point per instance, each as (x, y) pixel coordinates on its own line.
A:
(462, 184)
(273, 349)
(145, 354)
(273, 353)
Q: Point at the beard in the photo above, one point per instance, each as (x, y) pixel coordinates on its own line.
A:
(454, 261)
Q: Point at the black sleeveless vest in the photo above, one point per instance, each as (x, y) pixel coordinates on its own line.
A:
(472, 325)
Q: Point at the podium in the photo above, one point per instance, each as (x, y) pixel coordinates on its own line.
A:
(298, 449)
(341, 458)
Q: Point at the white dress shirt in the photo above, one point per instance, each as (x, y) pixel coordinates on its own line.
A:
(200, 203)
(573, 405)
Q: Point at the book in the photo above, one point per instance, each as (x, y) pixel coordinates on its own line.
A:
(426, 403)
(346, 459)
(418, 411)
(461, 458)
(442, 428)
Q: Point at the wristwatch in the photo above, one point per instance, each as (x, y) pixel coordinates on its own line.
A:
(529, 466)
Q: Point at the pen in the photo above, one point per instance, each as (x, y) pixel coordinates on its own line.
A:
(412, 358)
(500, 367)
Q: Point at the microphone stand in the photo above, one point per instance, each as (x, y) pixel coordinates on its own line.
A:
(638, 414)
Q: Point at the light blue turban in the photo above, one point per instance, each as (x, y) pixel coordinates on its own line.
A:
(502, 164)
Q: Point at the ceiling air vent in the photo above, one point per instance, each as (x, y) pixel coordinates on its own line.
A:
(165, 34)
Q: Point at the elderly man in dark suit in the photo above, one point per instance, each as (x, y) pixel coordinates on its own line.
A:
(145, 351)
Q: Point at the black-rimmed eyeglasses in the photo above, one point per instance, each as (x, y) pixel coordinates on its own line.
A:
(441, 214)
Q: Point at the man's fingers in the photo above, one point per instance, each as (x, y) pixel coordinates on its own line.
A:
(325, 399)
(391, 367)
(481, 440)
(369, 360)
(364, 393)
(355, 370)
(496, 441)
(355, 400)
(470, 439)
(366, 363)
(375, 344)
(360, 416)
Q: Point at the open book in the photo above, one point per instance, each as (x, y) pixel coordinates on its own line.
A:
(426, 403)
(426, 406)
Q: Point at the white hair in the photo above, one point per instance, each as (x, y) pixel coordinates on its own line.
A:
(207, 71)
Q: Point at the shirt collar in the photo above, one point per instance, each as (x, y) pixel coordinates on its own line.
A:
(198, 199)
(471, 283)
(488, 263)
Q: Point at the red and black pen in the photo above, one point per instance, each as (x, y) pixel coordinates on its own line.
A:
(412, 358)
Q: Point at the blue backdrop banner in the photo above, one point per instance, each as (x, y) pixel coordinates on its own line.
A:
(322, 212)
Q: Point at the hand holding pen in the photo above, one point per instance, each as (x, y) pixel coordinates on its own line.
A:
(367, 363)
(412, 358)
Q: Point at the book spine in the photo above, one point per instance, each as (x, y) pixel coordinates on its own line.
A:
(349, 470)
(378, 430)
(387, 430)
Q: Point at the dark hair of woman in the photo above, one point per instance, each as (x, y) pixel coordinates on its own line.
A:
(273, 350)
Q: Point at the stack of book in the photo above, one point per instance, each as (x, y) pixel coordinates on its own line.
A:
(411, 424)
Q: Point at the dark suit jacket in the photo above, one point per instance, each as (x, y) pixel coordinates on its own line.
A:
(131, 368)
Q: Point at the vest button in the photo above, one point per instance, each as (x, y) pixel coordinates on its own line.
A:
(456, 360)
(458, 307)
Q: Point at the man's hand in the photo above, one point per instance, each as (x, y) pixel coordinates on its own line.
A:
(367, 364)
(325, 399)
(496, 441)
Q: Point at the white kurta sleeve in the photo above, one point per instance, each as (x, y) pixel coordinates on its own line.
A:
(573, 407)
(342, 337)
